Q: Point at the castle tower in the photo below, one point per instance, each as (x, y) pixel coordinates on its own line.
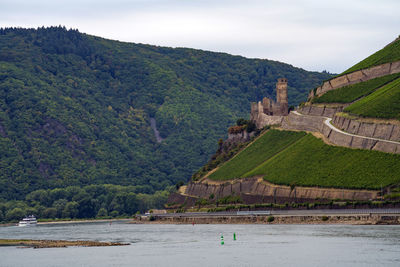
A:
(282, 96)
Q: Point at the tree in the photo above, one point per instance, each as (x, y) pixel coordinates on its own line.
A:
(15, 214)
(71, 210)
(50, 213)
(102, 213)
(59, 205)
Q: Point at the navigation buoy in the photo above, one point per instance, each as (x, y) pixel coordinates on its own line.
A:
(234, 236)
(222, 240)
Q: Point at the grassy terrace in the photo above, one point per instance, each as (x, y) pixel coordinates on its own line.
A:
(389, 53)
(311, 162)
(296, 158)
(353, 92)
(383, 103)
(266, 146)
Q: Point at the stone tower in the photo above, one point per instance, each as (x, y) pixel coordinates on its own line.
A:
(282, 96)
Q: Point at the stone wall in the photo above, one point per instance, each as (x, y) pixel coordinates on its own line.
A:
(320, 111)
(347, 140)
(282, 219)
(261, 119)
(257, 187)
(356, 77)
(381, 131)
(390, 134)
(303, 123)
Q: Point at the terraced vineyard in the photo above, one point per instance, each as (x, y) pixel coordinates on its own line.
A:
(389, 53)
(311, 162)
(353, 92)
(265, 147)
(297, 158)
(383, 103)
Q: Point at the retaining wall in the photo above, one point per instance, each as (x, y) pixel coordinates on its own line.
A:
(356, 77)
(257, 187)
(381, 131)
(283, 219)
(320, 111)
(387, 132)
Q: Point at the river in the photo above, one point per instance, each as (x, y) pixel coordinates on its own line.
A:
(200, 245)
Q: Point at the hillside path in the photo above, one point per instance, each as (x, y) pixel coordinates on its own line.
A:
(328, 123)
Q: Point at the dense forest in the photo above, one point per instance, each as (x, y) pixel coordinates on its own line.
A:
(75, 111)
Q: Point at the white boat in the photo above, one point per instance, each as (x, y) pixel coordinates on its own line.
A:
(28, 221)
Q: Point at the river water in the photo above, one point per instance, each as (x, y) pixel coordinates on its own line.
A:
(200, 245)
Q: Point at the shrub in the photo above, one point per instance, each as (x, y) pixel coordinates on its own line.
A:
(270, 218)
(325, 218)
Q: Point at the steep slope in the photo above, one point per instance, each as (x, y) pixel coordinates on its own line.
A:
(75, 109)
(368, 98)
(296, 158)
(383, 103)
(389, 53)
(348, 94)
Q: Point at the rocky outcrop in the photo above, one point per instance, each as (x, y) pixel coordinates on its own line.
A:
(243, 136)
(356, 77)
(256, 186)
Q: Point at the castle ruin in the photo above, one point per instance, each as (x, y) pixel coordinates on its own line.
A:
(269, 112)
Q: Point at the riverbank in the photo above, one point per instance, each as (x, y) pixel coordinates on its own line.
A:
(361, 219)
(73, 221)
(55, 243)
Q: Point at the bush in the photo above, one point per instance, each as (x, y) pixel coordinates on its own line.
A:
(270, 218)
(114, 213)
(325, 218)
(102, 213)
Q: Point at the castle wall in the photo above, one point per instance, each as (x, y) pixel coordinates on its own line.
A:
(356, 77)
(263, 120)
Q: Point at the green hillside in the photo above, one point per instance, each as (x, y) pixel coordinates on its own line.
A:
(305, 160)
(75, 110)
(348, 94)
(268, 145)
(383, 103)
(389, 53)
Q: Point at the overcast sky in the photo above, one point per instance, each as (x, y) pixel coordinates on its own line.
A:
(311, 34)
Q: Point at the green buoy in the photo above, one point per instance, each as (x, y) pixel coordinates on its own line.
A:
(222, 240)
(234, 236)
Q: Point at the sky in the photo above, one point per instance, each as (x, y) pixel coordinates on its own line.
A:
(314, 35)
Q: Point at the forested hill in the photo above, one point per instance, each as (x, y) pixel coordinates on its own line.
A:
(75, 109)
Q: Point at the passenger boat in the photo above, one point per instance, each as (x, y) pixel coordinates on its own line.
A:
(28, 221)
